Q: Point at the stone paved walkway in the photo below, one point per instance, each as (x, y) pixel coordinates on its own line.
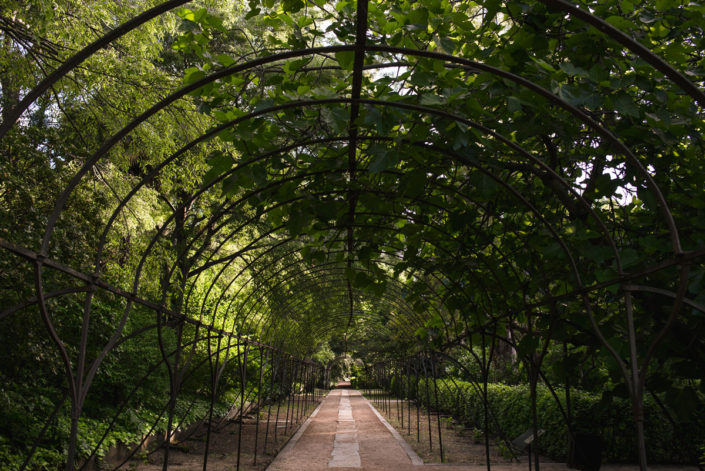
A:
(347, 433)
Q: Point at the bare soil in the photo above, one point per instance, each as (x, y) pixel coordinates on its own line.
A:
(460, 445)
(271, 430)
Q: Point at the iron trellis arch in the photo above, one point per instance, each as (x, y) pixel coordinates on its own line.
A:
(81, 372)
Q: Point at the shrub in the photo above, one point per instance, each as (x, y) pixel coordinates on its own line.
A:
(610, 418)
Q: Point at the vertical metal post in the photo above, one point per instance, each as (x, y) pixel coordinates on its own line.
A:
(272, 372)
(387, 388)
(438, 410)
(214, 374)
(397, 393)
(408, 394)
(259, 401)
(290, 395)
(416, 395)
(282, 367)
(174, 382)
(243, 378)
(428, 403)
(298, 396)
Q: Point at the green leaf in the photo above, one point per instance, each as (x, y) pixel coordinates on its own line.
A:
(382, 158)
(625, 105)
(513, 104)
(325, 210)
(346, 59)
(186, 14)
(219, 163)
(292, 6)
(337, 118)
(296, 222)
(431, 100)
(447, 44)
(193, 75)
(225, 60)
(626, 5)
(544, 65)
(413, 183)
(292, 66)
(419, 18)
(527, 346)
(491, 10)
(620, 23)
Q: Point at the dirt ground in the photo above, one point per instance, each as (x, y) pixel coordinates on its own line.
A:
(464, 449)
(314, 447)
(187, 454)
(460, 445)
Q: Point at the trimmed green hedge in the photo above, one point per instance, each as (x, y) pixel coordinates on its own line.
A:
(511, 406)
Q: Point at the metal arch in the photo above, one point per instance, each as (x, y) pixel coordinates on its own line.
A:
(341, 311)
(359, 47)
(461, 118)
(633, 45)
(649, 56)
(428, 110)
(471, 64)
(332, 263)
(272, 248)
(450, 116)
(338, 268)
(610, 283)
(281, 269)
(282, 256)
(273, 275)
(517, 79)
(536, 88)
(281, 203)
(92, 371)
(322, 267)
(574, 110)
(282, 242)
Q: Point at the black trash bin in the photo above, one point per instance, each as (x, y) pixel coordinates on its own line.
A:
(585, 452)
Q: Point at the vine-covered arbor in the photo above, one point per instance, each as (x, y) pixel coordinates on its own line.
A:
(406, 180)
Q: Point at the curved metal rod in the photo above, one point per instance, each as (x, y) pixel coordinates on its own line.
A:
(226, 257)
(35, 299)
(472, 64)
(574, 110)
(328, 269)
(73, 61)
(666, 293)
(270, 324)
(266, 282)
(383, 228)
(430, 109)
(230, 236)
(459, 118)
(633, 45)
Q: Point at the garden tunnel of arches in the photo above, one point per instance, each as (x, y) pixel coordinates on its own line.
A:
(413, 230)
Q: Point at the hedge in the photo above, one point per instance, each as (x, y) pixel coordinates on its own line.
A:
(611, 420)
